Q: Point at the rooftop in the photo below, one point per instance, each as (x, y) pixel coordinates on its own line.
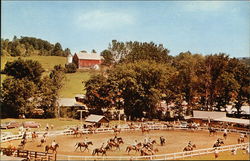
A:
(88, 56)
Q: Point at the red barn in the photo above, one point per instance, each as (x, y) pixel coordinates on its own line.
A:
(87, 60)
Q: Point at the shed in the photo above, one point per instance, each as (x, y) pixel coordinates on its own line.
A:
(69, 102)
(97, 119)
(87, 60)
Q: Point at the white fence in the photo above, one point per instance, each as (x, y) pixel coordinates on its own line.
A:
(169, 156)
(154, 157)
(107, 130)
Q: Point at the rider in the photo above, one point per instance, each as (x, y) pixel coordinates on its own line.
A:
(135, 143)
(225, 131)
(102, 147)
(85, 140)
(53, 144)
(190, 144)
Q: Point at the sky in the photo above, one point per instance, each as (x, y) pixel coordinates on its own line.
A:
(197, 26)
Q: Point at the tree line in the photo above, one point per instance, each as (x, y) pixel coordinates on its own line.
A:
(28, 46)
(143, 74)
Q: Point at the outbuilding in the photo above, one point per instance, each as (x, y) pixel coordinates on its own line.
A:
(87, 60)
(97, 120)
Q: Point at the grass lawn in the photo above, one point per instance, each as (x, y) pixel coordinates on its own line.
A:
(222, 156)
(73, 83)
(59, 124)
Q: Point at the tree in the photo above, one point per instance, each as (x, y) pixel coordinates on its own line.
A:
(107, 57)
(70, 68)
(93, 51)
(57, 51)
(29, 69)
(138, 51)
(16, 94)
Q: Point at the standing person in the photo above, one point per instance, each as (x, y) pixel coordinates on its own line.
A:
(47, 127)
(216, 153)
(225, 134)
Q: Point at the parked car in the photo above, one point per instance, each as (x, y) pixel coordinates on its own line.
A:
(10, 125)
(183, 124)
(31, 124)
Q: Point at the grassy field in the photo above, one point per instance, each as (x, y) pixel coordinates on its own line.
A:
(59, 123)
(222, 156)
(73, 83)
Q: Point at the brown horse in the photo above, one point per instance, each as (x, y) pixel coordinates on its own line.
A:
(241, 140)
(144, 129)
(114, 144)
(117, 130)
(189, 148)
(76, 132)
(49, 147)
(83, 145)
(145, 151)
(100, 150)
(212, 131)
(131, 126)
(136, 148)
(34, 136)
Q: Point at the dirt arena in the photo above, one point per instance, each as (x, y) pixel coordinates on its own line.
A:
(176, 140)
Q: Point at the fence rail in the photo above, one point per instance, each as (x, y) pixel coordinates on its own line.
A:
(34, 155)
(152, 127)
(155, 157)
(106, 130)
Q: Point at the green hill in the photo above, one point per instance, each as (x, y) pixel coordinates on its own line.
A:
(73, 83)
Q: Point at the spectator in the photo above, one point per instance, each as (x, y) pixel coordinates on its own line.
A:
(216, 153)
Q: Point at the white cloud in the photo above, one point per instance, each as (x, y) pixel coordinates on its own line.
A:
(98, 19)
(203, 5)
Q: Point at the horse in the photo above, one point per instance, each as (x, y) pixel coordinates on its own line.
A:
(83, 145)
(162, 141)
(218, 144)
(117, 130)
(149, 144)
(114, 144)
(100, 150)
(241, 140)
(212, 131)
(120, 140)
(189, 148)
(34, 136)
(22, 144)
(131, 126)
(43, 140)
(76, 132)
(131, 147)
(91, 130)
(49, 147)
(144, 129)
(145, 151)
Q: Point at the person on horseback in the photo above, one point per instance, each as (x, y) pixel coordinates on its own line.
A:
(135, 143)
(53, 144)
(102, 147)
(85, 140)
(190, 144)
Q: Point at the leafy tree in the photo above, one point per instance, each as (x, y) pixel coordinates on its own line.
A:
(70, 68)
(107, 57)
(57, 51)
(15, 96)
(93, 51)
(20, 68)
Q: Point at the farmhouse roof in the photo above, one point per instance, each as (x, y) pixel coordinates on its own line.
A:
(208, 114)
(96, 118)
(66, 102)
(233, 120)
(88, 56)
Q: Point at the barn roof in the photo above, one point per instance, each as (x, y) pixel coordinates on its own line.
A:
(88, 56)
(208, 114)
(96, 118)
(233, 120)
(66, 102)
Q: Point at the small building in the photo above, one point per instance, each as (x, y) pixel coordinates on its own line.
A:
(87, 60)
(215, 117)
(97, 120)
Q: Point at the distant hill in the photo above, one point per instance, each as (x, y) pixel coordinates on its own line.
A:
(30, 46)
